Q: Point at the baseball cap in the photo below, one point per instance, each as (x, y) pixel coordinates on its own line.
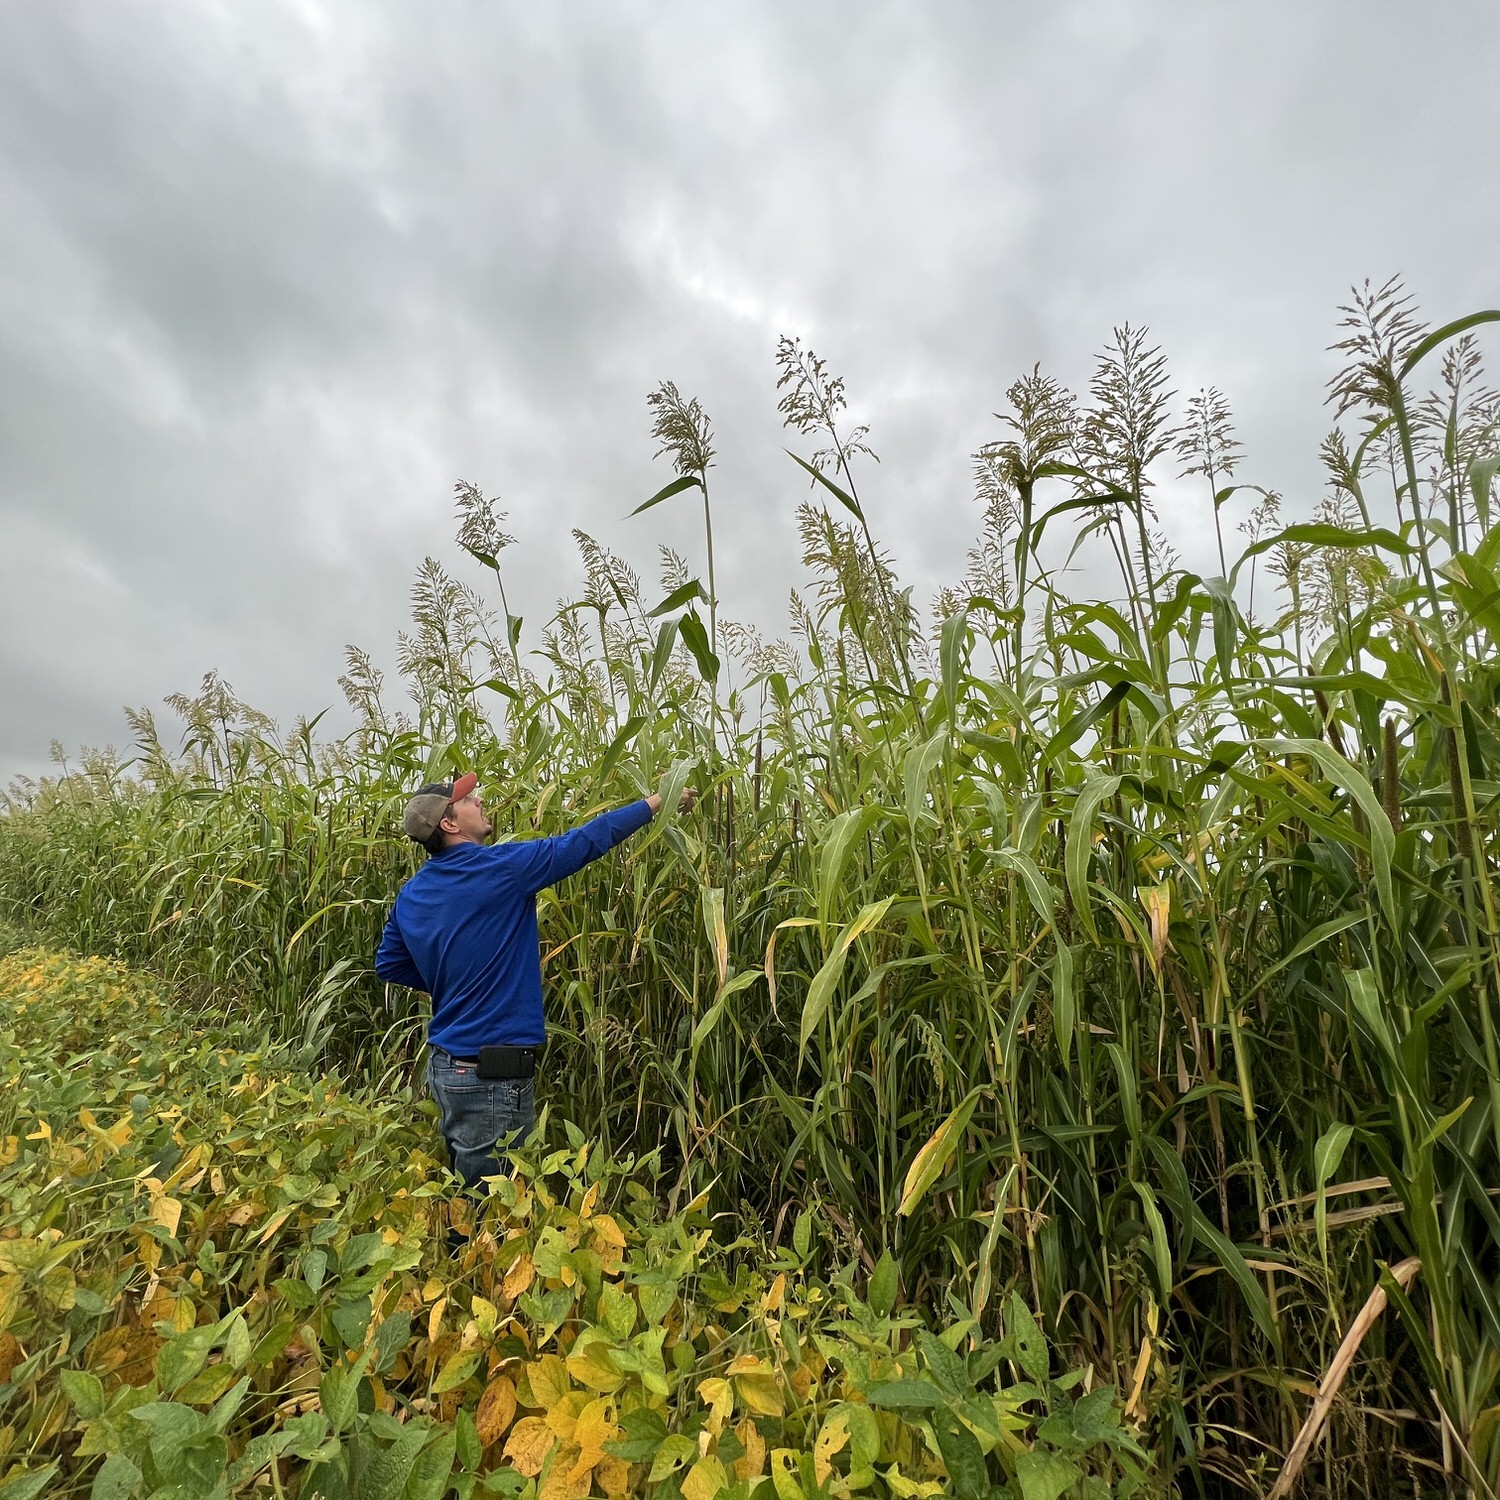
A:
(428, 805)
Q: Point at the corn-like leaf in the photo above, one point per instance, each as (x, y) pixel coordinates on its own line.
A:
(930, 1162)
(826, 980)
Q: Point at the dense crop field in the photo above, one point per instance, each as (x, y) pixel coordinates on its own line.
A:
(219, 1275)
(1138, 956)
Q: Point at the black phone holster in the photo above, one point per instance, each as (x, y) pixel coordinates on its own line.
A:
(507, 1062)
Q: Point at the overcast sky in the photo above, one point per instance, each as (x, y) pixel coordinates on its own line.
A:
(274, 276)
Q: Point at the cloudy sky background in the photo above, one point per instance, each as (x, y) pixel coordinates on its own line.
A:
(273, 277)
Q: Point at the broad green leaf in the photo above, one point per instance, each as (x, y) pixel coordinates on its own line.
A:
(884, 1283)
(116, 1479)
(1046, 1476)
(904, 1395)
(1025, 1341)
(457, 1368)
(85, 1390)
(433, 1468)
(28, 1485)
(386, 1477)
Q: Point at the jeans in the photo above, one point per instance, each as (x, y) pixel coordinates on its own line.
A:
(479, 1117)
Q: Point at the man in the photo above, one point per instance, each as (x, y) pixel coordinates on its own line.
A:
(463, 929)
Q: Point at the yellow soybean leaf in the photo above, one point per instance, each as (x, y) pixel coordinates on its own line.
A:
(520, 1276)
(563, 1418)
(777, 1294)
(590, 1364)
(168, 1213)
(719, 1395)
(529, 1444)
(704, 1480)
(593, 1431)
(784, 1474)
(564, 1480)
(497, 1407)
(590, 1198)
(911, 1489)
(275, 1223)
(486, 1315)
(833, 1438)
(757, 1386)
(614, 1477)
(10, 1297)
(676, 1449)
(435, 1320)
(752, 1464)
(546, 1382)
(607, 1231)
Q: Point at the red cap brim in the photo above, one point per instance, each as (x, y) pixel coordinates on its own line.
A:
(464, 785)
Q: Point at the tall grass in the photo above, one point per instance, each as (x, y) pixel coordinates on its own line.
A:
(1142, 953)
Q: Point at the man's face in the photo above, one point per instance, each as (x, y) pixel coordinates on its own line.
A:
(467, 818)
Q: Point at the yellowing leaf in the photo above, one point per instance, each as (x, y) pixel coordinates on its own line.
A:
(435, 1320)
(928, 1164)
(753, 1462)
(486, 1314)
(456, 1370)
(590, 1198)
(774, 1298)
(168, 1213)
(275, 1223)
(784, 1474)
(1158, 903)
(496, 1409)
(757, 1386)
(529, 1444)
(593, 1430)
(911, 1489)
(613, 1476)
(607, 1231)
(590, 1363)
(719, 1395)
(563, 1417)
(520, 1276)
(565, 1480)
(546, 1382)
(704, 1480)
(833, 1438)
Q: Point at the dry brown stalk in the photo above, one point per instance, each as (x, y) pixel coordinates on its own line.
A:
(1332, 1382)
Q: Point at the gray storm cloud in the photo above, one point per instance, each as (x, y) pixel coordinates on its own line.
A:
(273, 277)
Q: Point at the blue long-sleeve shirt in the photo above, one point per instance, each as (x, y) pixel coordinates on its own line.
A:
(464, 930)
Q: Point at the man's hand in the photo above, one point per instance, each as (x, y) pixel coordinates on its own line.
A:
(684, 802)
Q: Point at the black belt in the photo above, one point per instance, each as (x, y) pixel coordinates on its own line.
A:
(503, 1062)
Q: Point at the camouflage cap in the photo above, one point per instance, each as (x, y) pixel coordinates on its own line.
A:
(428, 805)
